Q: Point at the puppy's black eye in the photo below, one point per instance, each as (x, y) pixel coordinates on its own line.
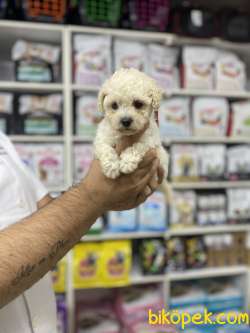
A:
(114, 106)
(138, 104)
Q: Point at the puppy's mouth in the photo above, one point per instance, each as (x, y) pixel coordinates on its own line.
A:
(127, 131)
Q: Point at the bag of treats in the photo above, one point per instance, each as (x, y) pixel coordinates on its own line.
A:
(210, 116)
(212, 164)
(240, 119)
(182, 213)
(92, 59)
(153, 256)
(174, 118)
(162, 66)
(198, 67)
(175, 254)
(230, 72)
(83, 157)
(129, 54)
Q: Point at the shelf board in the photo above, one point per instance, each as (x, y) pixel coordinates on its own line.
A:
(137, 279)
(78, 138)
(203, 230)
(210, 185)
(216, 93)
(82, 88)
(30, 25)
(207, 273)
(37, 138)
(122, 235)
(198, 139)
(30, 86)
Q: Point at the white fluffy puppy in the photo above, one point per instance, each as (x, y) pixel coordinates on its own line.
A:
(129, 101)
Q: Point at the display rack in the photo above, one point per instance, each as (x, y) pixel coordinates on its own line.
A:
(62, 35)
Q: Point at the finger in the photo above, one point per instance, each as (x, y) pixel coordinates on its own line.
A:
(147, 191)
(145, 180)
(153, 183)
(149, 157)
(160, 173)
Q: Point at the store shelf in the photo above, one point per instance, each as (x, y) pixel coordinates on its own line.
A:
(207, 273)
(78, 138)
(122, 235)
(203, 230)
(82, 88)
(210, 185)
(145, 279)
(216, 93)
(37, 138)
(198, 139)
(30, 86)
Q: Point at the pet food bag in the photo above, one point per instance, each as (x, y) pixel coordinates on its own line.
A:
(59, 276)
(87, 116)
(196, 256)
(238, 162)
(116, 262)
(6, 109)
(83, 157)
(174, 118)
(230, 72)
(87, 267)
(92, 59)
(49, 163)
(238, 205)
(240, 119)
(153, 256)
(61, 314)
(40, 115)
(120, 221)
(129, 54)
(212, 164)
(198, 67)
(153, 213)
(162, 66)
(176, 254)
(182, 213)
(184, 162)
(210, 116)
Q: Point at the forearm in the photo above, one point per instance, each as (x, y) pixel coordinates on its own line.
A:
(29, 249)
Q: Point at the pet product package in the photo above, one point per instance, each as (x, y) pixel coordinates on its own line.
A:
(153, 213)
(35, 62)
(97, 227)
(240, 119)
(196, 256)
(210, 116)
(238, 162)
(184, 162)
(198, 67)
(211, 209)
(87, 116)
(6, 109)
(116, 262)
(120, 221)
(92, 59)
(40, 115)
(83, 156)
(238, 205)
(87, 267)
(176, 254)
(174, 118)
(61, 314)
(129, 54)
(182, 213)
(153, 256)
(59, 276)
(212, 164)
(162, 66)
(230, 72)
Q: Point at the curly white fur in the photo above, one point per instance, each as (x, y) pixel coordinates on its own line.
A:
(119, 99)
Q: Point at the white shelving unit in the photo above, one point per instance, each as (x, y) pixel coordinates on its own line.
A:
(62, 35)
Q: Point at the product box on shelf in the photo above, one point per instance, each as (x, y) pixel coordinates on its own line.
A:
(59, 276)
(238, 207)
(219, 250)
(6, 111)
(162, 66)
(210, 116)
(128, 53)
(238, 162)
(182, 212)
(211, 209)
(87, 116)
(36, 62)
(39, 114)
(184, 163)
(176, 254)
(83, 156)
(122, 221)
(92, 59)
(212, 162)
(196, 254)
(61, 314)
(185, 295)
(174, 118)
(153, 213)
(240, 119)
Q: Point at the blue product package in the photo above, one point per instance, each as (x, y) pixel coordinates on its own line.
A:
(122, 221)
(153, 213)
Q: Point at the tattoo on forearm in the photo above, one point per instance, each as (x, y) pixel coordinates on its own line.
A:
(25, 271)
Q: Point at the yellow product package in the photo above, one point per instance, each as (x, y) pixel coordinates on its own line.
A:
(116, 263)
(86, 272)
(59, 276)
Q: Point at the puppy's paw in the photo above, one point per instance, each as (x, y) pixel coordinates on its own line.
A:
(111, 169)
(129, 163)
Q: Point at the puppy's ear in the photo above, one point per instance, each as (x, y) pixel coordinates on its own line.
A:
(156, 95)
(102, 94)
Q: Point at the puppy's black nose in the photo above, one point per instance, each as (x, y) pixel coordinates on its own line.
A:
(126, 121)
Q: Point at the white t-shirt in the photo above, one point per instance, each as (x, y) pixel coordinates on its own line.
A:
(35, 310)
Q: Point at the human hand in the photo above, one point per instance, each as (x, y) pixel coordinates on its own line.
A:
(126, 191)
